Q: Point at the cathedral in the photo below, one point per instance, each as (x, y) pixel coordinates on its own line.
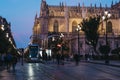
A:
(56, 20)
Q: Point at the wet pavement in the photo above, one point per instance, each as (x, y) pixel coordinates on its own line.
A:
(69, 71)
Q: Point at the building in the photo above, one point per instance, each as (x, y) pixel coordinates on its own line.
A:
(6, 37)
(56, 19)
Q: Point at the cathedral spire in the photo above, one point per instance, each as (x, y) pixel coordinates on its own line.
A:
(78, 4)
(36, 16)
(95, 5)
(91, 5)
(100, 5)
(106, 6)
(112, 3)
(60, 4)
(35, 19)
(44, 8)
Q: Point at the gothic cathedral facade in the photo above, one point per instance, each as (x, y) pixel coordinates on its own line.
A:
(54, 20)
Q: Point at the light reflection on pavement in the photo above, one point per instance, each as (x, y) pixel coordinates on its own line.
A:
(51, 71)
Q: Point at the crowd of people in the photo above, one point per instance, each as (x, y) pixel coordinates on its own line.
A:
(60, 58)
(8, 61)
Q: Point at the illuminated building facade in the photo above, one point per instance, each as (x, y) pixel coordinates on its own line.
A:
(57, 19)
(6, 36)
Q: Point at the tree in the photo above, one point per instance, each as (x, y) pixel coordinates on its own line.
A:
(104, 49)
(90, 27)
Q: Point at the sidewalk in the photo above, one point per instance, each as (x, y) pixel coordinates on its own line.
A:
(114, 63)
(2, 68)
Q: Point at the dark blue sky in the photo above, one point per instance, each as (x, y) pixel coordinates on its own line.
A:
(21, 14)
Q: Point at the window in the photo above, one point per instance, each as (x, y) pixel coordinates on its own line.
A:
(55, 26)
(109, 27)
(74, 26)
(51, 13)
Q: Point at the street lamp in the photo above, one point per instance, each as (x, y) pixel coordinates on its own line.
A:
(78, 30)
(107, 47)
(7, 35)
(61, 36)
(2, 27)
(105, 18)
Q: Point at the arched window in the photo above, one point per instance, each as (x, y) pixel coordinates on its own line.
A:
(109, 27)
(51, 13)
(55, 27)
(74, 26)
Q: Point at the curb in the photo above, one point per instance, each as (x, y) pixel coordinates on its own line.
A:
(103, 64)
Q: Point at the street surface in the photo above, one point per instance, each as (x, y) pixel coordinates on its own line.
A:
(69, 71)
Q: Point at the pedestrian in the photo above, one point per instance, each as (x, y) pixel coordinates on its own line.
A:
(44, 55)
(14, 62)
(76, 58)
(53, 57)
(62, 59)
(3, 59)
(8, 60)
(0, 60)
(58, 58)
(87, 57)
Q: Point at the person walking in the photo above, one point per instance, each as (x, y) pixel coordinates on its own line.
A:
(3, 60)
(8, 60)
(58, 55)
(62, 59)
(76, 58)
(14, 62)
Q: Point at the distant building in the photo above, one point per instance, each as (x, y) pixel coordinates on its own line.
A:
(57, 19)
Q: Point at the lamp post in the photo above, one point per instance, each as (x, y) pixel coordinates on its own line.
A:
(61, 36)
(105, 18)
(107, 47)
(78, 30)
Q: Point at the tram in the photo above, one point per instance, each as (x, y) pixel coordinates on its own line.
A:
(33, 51)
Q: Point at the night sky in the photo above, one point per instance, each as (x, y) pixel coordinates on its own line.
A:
(21, 14)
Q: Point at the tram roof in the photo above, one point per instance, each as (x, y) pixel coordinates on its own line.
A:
(33, 45)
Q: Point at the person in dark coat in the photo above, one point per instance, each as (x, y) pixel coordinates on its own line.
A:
(14, 62)
(76, 58)
(62, 59)
(58, 56)
(8, 60)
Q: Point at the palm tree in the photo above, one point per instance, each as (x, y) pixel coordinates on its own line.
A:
(90, 27)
